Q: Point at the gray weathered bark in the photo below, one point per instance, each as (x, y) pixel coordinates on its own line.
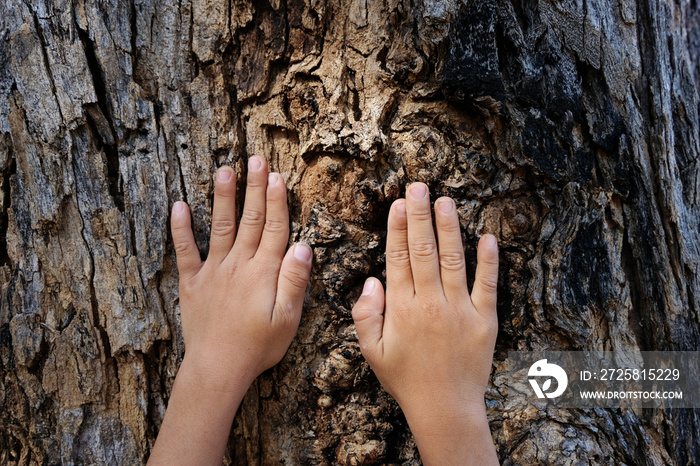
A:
(568, 129)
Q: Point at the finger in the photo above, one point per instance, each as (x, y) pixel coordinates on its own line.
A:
(188, 260)
(223, 217)
(453, 270)
(398, 264)
(253, 217)
(368, 314)
(486, 279)
(291, 284)
(421, 241)
(276, 231)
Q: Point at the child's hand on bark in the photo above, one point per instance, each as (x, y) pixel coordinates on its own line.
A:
(239, 309)
(428, 340)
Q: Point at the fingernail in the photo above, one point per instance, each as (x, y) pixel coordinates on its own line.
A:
(272, 179)
(302, 252)
(418, 191)
(224, 174)
(489, 241)
(368, 288)
(254, 164)
(401, 208)
(446, 206)
(178, 207)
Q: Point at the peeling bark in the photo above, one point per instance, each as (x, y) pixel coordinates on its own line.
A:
(568, 129)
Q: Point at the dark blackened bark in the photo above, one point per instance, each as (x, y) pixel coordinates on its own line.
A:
(567, 129)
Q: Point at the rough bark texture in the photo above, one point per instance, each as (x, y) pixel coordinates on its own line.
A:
(568, 129)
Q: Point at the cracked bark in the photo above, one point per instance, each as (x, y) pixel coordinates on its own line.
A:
(568, 129)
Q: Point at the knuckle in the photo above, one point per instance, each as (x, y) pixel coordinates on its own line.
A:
(398, 257)
(265, 267)
(252, 217)
(423, 249)
(297, 277)
(361, 313)
(274, 225)
(233, 265)
(183, 248)
(452, 261)
(422, 214)
(489, 284)
(450, 227)
(256, 182)
(431, 307)
(222, 227)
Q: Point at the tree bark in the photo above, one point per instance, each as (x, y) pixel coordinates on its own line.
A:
(567, 129)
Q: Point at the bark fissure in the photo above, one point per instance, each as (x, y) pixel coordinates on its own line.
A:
(102, 332)
(47, 65)
(5, 192)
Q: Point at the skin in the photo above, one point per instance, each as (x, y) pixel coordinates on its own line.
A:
(432, 348)
(428, 340)
(240, 310)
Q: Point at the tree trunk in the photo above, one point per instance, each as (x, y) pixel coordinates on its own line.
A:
(567, 129)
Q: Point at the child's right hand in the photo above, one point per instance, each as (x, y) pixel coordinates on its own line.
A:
(240, 310)
(433, 347)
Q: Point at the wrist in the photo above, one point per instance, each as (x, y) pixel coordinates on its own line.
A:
(452, 433)
(443, 415)
(215, 377)
(430, 400)
(201, 408)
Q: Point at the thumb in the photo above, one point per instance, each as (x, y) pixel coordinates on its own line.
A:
(368, 314)
(291, 284)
